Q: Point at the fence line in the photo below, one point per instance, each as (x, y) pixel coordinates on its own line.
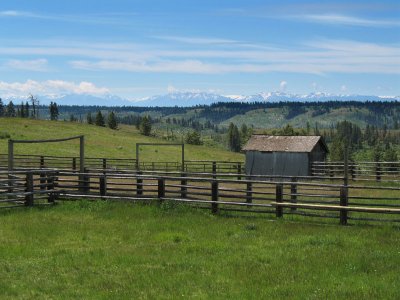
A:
(280, 196)
(26, 161)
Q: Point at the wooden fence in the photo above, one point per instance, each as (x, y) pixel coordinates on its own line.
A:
(303, 196)
(359, 171)
(121, 164)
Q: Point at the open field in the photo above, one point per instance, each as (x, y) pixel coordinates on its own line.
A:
(100, 142)
(104, 249)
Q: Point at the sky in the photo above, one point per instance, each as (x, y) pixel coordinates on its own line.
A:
(136, 49)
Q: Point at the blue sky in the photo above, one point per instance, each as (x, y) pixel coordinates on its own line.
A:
(141, 48)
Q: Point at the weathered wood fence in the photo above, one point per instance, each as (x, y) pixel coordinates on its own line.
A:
(280, 196)
(121, 164)
(359, 171)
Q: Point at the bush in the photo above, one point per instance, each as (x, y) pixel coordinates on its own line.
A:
(193, 138)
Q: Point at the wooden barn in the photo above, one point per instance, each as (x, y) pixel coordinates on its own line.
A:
(283, 155)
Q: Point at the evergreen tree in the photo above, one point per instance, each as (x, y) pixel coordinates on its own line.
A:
(377, 154)
(21, 110)
(1, 108)
(89, 118)
(193, 138)
(53, 111)
(10, 110)
(145, 126)
(26, 113)
(233, 138)
(99, 119)
(112, 121)
(337, 148)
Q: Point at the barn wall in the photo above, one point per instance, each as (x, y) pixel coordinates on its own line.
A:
(318, 153)
(277, 163)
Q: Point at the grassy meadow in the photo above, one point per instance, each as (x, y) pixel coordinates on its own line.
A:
(99, 142)
(131, 251)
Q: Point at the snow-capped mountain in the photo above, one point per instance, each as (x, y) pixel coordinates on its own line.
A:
(182, 99)
(187, 99)
(312, 97)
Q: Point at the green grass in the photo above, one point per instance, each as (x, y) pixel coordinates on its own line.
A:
(119, 250)
(99, 141)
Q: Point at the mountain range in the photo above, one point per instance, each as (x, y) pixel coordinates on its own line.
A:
(187, 99)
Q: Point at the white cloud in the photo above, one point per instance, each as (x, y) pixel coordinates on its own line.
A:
(283, 85)
(343, 88)
(336, 19)
(315, 57)
(49, 87)
(39, 65)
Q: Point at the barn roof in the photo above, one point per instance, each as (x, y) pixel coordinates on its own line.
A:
(271, 143)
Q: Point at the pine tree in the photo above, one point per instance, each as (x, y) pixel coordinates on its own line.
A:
(26, 109)
(99, 119)
(233, 138)
(112, 121)
(1, 108)
(21, 110)
(145, 126)
(193, 138)
(89, 118)
(53, 111)
(10, 110)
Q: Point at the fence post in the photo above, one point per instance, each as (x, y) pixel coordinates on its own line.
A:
(29, 189)
(346, 167)
(42, 181)
(161, 189)
(293, 192)
(86, 181)
(103, 185)
(331, 170)
(139, 183)
(183, 186)
(214, 196)
(50, 187)
(279, 199)
(41, 162)
(239, 171)
(378, 171)
(343, 202)
(352, 171)
(104, 164)
(249, 193)
(214, 169)
(74, 163)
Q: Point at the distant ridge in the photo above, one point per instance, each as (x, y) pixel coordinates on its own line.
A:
(188, 99)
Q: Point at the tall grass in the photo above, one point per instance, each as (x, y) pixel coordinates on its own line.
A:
(119, 250)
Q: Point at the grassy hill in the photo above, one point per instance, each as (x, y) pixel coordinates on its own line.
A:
(99, 141)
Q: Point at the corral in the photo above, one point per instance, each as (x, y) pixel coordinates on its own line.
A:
(218, 186)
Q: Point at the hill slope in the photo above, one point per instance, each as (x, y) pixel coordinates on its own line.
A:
(99, 141)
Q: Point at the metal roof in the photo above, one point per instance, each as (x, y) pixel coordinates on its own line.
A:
(271, 143)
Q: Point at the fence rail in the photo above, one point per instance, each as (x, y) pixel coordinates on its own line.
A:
(280, 196)
(359, 171)
(121, 164)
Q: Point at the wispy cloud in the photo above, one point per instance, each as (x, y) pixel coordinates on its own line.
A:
(196, 40)
(337, 19)
(315, 57)
(22, 89)
(38, 65)
(107, 19)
